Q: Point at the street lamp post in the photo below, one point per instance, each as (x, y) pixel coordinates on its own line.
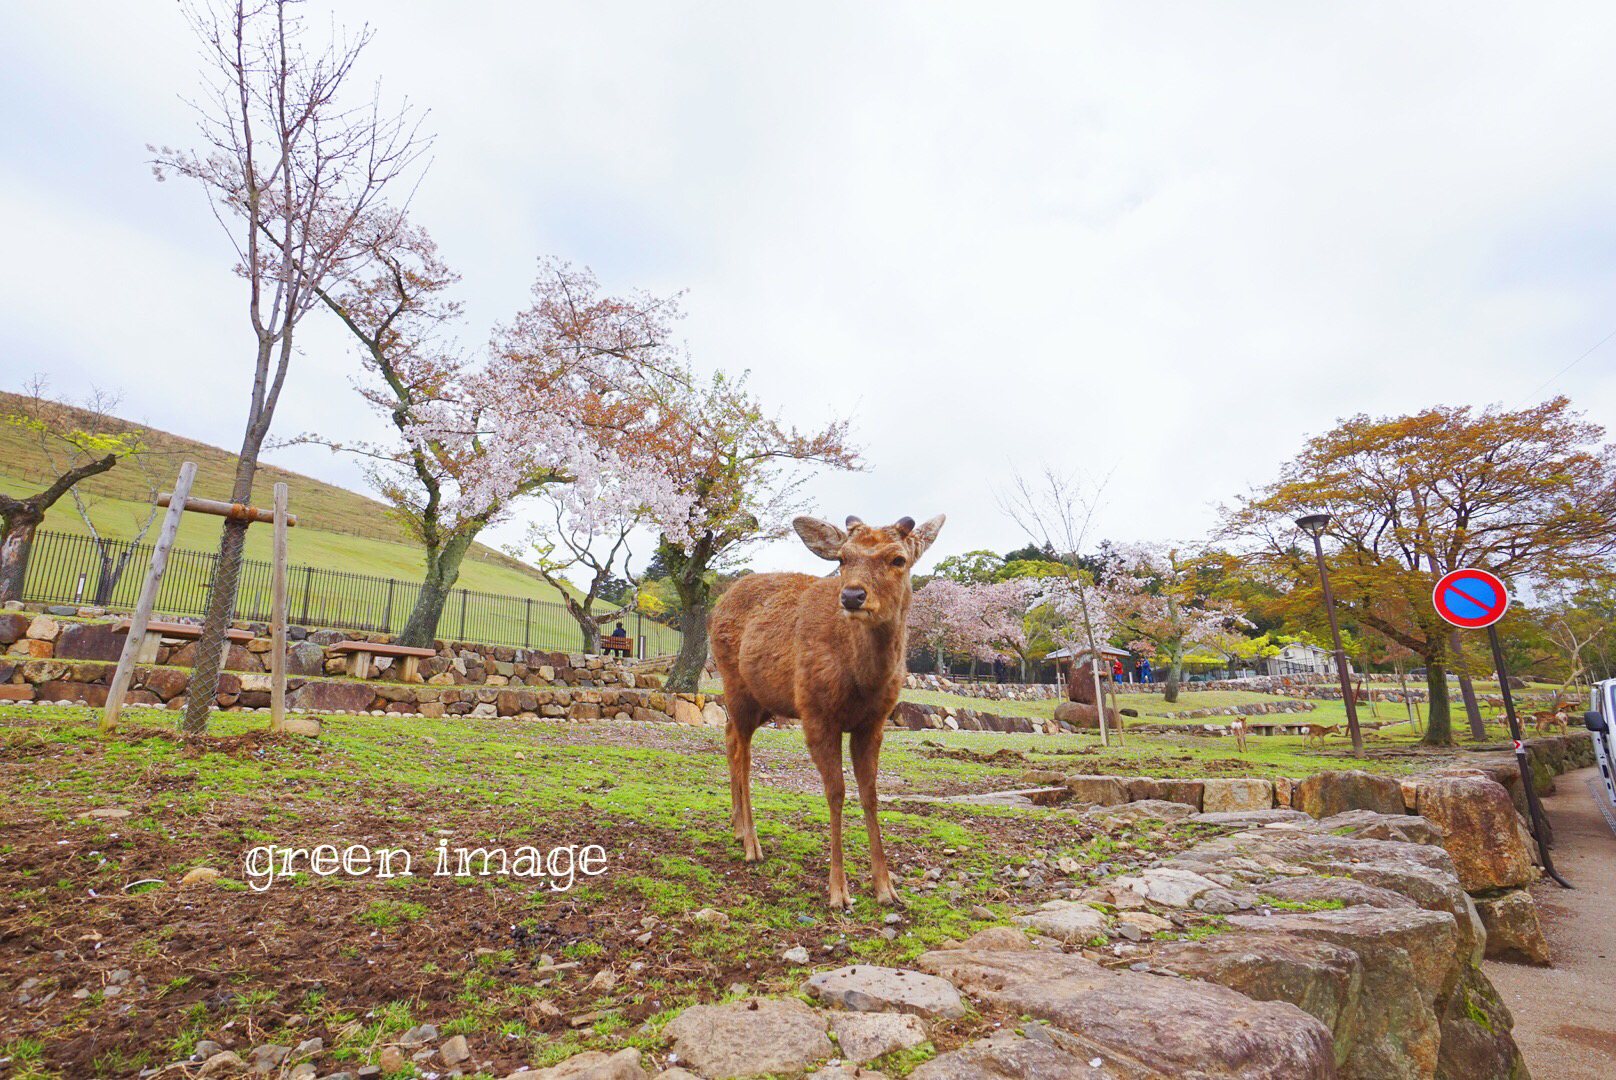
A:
(1313, 525)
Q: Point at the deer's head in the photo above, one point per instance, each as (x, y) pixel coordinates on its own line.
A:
(876, 561)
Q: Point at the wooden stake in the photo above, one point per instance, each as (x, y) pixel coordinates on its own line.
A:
(148, 597)
(1099, 697)
(277, 652)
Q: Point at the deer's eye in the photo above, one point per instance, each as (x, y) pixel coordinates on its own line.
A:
(899, 561)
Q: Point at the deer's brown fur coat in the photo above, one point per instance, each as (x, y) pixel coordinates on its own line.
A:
(829, 652)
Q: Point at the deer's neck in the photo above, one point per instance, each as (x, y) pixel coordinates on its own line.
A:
(878, 649)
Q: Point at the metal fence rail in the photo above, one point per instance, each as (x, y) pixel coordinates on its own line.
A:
(79, 570)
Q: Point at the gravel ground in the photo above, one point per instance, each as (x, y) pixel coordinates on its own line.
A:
(1565, 1018)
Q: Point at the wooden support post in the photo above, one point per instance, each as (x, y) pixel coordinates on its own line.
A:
(148, 597)
(277, 652)
(1099, 697)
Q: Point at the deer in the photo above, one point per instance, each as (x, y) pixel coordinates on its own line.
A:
(1319, 731)
(1237, 727)
(830, 652)
(1557, 716)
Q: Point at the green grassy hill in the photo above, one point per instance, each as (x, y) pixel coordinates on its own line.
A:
(337, 530)
(331, 519)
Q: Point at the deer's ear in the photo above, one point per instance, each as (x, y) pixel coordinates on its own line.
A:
(822, 538)
(925, 534)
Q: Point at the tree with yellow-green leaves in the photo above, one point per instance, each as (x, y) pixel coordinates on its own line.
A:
(1528, 494)
(81, 442)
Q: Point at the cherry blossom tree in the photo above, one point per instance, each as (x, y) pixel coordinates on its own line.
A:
(558, 404)
(940, 619)
(591, 547)
(290, 169)
(743, 471)
(1160, 608)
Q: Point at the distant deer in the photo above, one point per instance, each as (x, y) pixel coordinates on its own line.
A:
(830, 652)
(1237, 727)
(1319, 731)
(1557, 716)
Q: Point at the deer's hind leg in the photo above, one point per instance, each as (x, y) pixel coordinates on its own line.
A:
(745, 716)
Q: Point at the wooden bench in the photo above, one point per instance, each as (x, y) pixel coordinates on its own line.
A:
(361, 652)
(621, 645)
(157, 631)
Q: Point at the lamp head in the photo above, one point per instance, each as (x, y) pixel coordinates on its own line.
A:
(1313, 524)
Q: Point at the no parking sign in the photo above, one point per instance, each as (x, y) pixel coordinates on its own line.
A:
(1474, 600)
(1470, 598)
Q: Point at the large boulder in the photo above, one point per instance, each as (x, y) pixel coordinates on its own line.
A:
(871, 988)
(1155, 1026)
(1369, 825)
(1236, 795)
(166, 683)
(745, 1038)
(1317, 977)
(1514, 931)
(1104, 790)
(1477, 819)
(1085, 717)
(1008, 1056)
(92, 694)
(1068, 921)
(1326, 794)
(320, 696)
(89, 641)
(1179, 791)
(13, 626)
(1476, 1040)
(305, 658)
(1332, 892)
(1409, 961)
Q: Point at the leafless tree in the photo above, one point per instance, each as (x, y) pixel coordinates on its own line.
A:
(290, 170)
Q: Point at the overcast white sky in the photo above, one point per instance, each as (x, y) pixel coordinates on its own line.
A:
(1164, 242)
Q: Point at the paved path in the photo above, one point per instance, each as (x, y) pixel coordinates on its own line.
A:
(1565, 1016)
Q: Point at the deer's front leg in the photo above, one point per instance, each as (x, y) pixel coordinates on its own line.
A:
(825, 747)
(866, 748)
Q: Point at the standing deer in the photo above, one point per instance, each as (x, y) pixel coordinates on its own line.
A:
(830, 652)
(1238, 727)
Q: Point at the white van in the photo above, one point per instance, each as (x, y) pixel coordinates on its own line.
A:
(1601, 722)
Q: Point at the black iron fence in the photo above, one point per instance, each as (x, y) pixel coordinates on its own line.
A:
(79, 570)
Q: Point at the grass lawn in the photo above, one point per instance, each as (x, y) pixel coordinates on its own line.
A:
(354, 958)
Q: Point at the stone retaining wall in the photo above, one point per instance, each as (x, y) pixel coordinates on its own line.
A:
(45, 636)
(984, 691)
(1477, 809)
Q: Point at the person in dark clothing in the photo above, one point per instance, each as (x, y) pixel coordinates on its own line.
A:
(998, 668)
(618, 631)
(1144, 671)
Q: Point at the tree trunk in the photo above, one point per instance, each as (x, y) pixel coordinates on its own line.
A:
(685, 678)
(1467, 689)
(1175, 672)
(210, 647)
(442, 571)
(1438, 730)
(110, 573)
(16, 543)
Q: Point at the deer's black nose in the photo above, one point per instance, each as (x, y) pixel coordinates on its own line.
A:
(853, 598)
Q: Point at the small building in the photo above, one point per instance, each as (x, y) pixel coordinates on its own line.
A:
(1299, 659)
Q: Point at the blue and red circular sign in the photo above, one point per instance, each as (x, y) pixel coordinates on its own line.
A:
(1470, 599)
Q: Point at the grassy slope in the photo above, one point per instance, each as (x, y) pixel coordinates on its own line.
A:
(339, 530)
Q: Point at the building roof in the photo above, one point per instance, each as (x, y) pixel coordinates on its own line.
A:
(1105, 650)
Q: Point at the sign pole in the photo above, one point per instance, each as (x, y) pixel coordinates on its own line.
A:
(1471, 599)
(1538, 827)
